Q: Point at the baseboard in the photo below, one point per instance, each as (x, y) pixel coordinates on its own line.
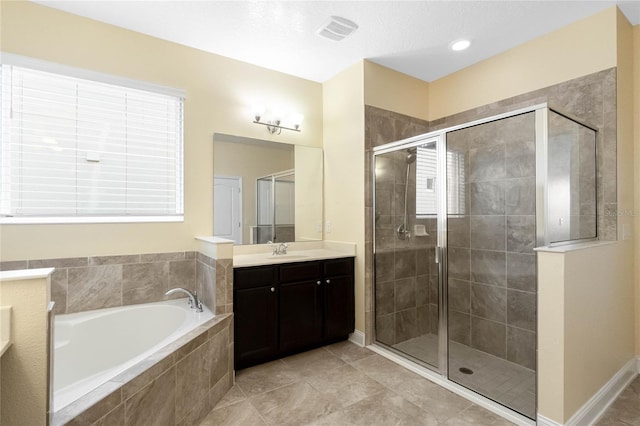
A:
(590, 412)
(357, 337)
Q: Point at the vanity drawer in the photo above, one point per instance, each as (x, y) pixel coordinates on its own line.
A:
(300, 271)
(338, 267)
(257, 276)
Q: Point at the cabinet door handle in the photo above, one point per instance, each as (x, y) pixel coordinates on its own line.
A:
(328, 281)
(273, 289)
(318, 282)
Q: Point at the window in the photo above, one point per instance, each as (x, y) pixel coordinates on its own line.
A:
(426, 178)
(79, 150)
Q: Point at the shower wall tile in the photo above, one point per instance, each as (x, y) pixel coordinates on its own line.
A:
(489, 302)
(487, 198)
(488, 232)
(521, 347)
(433, 318)
(422, 290)
(460, 327)
(487, 163)
(489, 267)
(459, 296)
(385, 298)
(386, 329)
(385, 265)
(458, 263)
(405, 294)
(520, 196)
(406, 325)
(521, 157)
(145, 282)
(458, 232)
(423, 319)
(521, 310)
(521, 272)
(488, 336)
(521, 233)
(433, 289)
(405, 264)
(94, 287)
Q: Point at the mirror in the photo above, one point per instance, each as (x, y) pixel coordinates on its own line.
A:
(266, 191)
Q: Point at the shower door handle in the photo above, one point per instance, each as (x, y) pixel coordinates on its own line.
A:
(438, 254)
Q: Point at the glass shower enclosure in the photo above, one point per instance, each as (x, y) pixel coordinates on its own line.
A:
(275, 208)
(457, 214)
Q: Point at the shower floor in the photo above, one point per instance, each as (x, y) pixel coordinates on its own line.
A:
(505, 382)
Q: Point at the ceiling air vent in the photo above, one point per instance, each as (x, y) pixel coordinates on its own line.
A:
(337, 28)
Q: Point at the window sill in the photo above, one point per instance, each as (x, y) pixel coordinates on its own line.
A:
(85, 220)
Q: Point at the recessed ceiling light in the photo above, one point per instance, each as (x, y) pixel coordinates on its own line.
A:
(459, 45)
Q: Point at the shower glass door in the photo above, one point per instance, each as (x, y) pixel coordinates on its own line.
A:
(491, 266)
(406, 278)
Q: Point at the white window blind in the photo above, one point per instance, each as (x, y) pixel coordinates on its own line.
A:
(426, 179)
(80, 148)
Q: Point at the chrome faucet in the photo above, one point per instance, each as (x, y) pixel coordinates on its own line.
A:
(194, 302)
(278, 249)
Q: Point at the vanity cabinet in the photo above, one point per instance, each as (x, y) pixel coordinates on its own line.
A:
(291, 307)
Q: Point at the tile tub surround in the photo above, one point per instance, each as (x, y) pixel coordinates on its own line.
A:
(591, 98)
(178, 385)
(95, 282)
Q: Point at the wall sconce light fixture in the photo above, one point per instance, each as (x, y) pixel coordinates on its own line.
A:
(274, 122)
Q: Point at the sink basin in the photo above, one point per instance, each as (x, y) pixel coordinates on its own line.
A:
(287, 256)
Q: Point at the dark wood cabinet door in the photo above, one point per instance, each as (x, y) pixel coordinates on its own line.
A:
(338, 307)
(300, 314)
(256, 325)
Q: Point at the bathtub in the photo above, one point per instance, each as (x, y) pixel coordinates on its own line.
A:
(90, 348)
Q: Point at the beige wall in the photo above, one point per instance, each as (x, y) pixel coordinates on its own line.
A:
(251, 161)
(344, 168)
(388, 89)
(636, 125)
(24, 365)
(585, 324)
(581, 48)
(219, 91)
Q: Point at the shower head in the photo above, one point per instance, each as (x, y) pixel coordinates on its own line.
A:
(411, 156)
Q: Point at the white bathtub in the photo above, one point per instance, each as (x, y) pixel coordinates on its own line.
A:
(93, 347)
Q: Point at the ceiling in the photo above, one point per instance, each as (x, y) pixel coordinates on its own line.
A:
(408, 36)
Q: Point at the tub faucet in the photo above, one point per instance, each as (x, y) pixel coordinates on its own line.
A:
(194, 302)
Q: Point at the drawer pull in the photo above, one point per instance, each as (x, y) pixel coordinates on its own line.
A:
(273, 289)
(318, 282)
(328, 281)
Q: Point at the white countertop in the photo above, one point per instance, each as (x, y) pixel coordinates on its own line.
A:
(297, 252)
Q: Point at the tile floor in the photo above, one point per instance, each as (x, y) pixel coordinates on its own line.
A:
(625, 411)
(343, 384)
